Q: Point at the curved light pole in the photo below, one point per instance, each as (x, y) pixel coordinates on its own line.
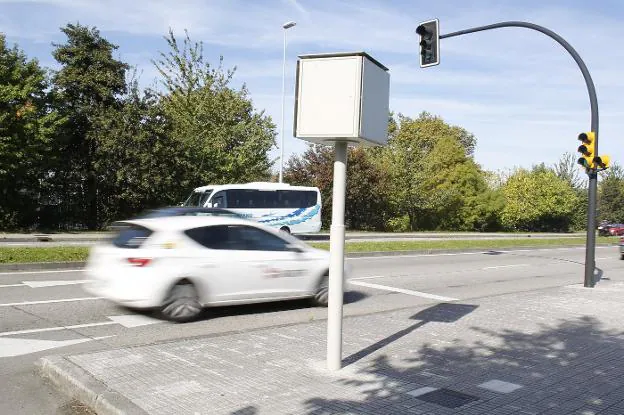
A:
(285, 27)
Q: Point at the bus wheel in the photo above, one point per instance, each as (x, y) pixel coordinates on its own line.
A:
(285, 229)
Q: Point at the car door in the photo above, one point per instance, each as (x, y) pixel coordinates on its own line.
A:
(268, 265)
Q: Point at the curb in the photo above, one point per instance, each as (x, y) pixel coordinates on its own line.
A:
(42, 266)
(77, 383)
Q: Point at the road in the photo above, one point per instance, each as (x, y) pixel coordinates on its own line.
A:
(47, 312)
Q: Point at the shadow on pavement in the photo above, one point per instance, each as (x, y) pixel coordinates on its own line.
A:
(573, 367)
(444, 312)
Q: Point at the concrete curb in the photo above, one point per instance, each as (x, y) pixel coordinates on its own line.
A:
(42, 266)
(77, 383)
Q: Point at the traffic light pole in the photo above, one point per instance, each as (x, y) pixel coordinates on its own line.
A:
(590, 247)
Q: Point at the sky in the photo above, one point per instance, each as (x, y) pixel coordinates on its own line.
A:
(518, 91)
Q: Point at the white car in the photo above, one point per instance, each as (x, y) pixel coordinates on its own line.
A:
(183, 264)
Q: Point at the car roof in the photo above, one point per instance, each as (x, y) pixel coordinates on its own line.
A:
(188, 222)
(175, 210)
(254, 185)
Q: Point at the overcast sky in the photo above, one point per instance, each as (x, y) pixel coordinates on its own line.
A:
(517, 90)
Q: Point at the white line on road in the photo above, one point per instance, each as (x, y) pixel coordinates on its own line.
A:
(44, 284)
(507, 266)
(40, 284)
(63, 300)
(54, 271)
(511, 251)
(76, 326)
(403, 291)
(367, 278)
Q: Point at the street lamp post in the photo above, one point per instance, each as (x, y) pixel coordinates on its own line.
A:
(285, 26)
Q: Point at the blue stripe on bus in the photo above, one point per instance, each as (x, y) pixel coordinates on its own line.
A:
(286, 220)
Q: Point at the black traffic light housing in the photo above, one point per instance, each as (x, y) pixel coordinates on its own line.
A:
(429, 33)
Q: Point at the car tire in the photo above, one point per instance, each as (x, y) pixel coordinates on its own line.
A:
(285, 229)
(182, 303)
(622, 257)
(321, 296)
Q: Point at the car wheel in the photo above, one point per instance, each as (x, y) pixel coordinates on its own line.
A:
(285, 229)
(321, 296)
(622, 256)
(182, 303)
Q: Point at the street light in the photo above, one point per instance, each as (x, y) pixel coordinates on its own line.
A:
(285, 26)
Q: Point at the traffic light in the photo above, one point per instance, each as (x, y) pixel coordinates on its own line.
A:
(429, 43)
(601, 162)
(587, 150)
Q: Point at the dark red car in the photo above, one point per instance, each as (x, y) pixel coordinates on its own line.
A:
(616, 229)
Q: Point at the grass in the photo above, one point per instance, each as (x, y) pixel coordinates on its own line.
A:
(415, 245)
(12, 255)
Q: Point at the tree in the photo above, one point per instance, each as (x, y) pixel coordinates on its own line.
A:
(569, 170)
(366, 200)
(425, 159)
(538, 200)
(611, 195)
(27, 128)
(219, 136)
(86, 88)
(136, 153)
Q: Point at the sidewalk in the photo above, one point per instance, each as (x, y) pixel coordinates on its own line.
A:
(555, 351)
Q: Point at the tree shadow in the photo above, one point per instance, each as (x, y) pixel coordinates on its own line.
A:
(573, 366)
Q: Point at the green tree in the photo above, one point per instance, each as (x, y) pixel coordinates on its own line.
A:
(366, 206)
(538, 200)
(611, 195)
(27, 128)
(431, 172)
(220, 137)
(86, 88)
(139, 169)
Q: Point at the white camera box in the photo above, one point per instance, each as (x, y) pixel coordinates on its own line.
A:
(342, 97)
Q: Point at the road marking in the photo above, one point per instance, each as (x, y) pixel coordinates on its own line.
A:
(63, 300)
(134, 320)
(511, 251)
(76, 326)
(128, 321)
(57, 271)
(18, 347)
(507, 266)
(403, 291)
(368, 278)
(39, 284)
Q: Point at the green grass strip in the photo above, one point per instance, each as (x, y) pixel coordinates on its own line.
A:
(11, 255)
(416, 245)
(15, 255)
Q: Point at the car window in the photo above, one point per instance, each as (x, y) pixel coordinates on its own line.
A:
(237, 237)
(131, 236)
(254, 239)
(213, 237)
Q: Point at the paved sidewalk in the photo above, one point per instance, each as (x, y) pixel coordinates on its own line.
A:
(555, 351)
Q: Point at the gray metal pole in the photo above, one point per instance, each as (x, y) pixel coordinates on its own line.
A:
(590, 247)
(336, 261)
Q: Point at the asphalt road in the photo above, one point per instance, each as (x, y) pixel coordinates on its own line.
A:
(43, 313)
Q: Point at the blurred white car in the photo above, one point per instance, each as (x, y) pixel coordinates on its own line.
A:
(183, 264)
